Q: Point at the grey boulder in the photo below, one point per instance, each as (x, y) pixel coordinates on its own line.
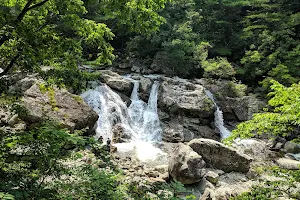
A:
(218, 156)
(58, 105)
(185, 165)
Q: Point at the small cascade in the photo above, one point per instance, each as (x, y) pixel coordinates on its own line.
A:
(219, 120)
(110, 108)
(143, 117)
(151, 130)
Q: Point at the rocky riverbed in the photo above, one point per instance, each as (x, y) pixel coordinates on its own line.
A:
(189, 150)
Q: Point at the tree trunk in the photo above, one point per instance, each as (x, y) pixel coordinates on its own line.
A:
(10, 65)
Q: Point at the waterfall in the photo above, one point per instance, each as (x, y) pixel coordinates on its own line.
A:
(219, 120)
(151, 126)
(110, 108)
(140, 120)
(143, 117)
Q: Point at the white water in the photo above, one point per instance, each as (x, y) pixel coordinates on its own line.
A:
(219, 120)
(140, 120)
(143, 117)
(1, 70)
(110, 108)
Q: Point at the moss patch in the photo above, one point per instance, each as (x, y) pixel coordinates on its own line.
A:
(51, 93)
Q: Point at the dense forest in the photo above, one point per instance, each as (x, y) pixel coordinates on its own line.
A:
(253, 42)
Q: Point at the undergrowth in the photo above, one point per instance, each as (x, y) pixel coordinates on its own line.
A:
(287, 186)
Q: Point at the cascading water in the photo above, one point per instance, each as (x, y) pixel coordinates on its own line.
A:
(110, 108)
(219, 120)
(140, 120)
(144, 117)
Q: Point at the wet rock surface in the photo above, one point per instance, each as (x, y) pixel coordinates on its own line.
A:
(232, 97)
(115, 81)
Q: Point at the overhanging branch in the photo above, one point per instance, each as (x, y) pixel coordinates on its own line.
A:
(21, 16)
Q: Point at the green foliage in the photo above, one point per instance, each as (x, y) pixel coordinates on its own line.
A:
(217, 68)
(221, 26)
(164, 191)
(274, 189)
(193, 30)
(6, 100)
(236, 89)
(89, 182)
(272, 33)
(4, 85)
(28, 158)
(6, 196)
(43, 164)
(135, 16)
(75, 80)
(280, 120)
(54, 32)
(19, 109)
(51, 93)
(177, 41)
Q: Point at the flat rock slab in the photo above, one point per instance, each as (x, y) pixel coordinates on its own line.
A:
(288, 163)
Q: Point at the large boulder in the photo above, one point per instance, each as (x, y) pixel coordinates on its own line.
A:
(242, 108)
(189, 111)
(180, 96)
(257, 149)
(20, 86)
(218, 156)
(185, 165)
(59, 105)
(117, 82)
(231, 185)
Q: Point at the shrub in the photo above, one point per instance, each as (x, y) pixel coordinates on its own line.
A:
(217, 68)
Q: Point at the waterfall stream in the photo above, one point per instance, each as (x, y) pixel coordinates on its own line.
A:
(219, 120)
(140, 120)
(143, 117)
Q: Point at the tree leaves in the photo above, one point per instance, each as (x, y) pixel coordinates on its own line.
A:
(282, 120)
